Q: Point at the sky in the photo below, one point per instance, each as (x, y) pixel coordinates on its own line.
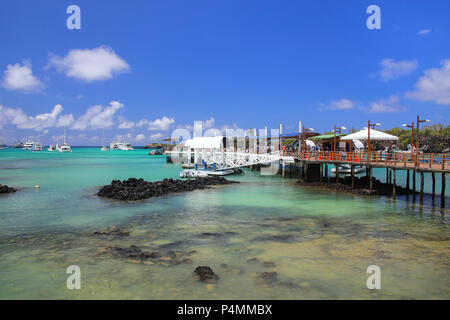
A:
(141, 69)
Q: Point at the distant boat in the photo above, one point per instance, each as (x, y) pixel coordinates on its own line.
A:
(104, 148)
(121, 146)
(155, 152)
(28, 145)
(64, 147)
(37, 147)
(52, 148)
(18, 145)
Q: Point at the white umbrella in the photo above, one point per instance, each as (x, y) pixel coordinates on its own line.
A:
(375, 135)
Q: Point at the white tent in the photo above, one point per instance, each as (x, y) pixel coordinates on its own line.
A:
(375, 135)
(205, 143)
(309, 143)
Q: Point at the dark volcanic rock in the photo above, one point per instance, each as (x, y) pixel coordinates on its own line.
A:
(138, 189)
(5, 189)
(268, 277)
(361, 186)
(205, 273)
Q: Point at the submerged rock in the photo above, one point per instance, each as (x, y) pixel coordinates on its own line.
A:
(138, 189)
(267, 277)
(5, 189)
(205, 273)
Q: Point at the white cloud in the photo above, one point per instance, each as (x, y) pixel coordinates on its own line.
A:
(342, 104)
(90, 64)
(139, 137)
(20, 77)
(434, 85)
(386, 105)
(155, 137)
(125, 124)
(40, 122)
(391, 69)
(423, 31)
(157, 124)
(98, 117)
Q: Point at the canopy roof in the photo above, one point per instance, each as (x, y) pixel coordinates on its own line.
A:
(374, 135)
(205, 142)
(326, 136)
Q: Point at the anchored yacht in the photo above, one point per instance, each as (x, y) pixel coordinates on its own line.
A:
(28, 145)
(37, 147)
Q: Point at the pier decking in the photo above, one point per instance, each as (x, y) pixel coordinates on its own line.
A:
(422, 163)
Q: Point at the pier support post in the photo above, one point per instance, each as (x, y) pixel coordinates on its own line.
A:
(306, 171)
(414, 184)
(433, 186)
(337, 172)
(321, 172)
(443, 190)
(408, 191)
(390, 176)
(370, 180)
(326, 172)
(283, 169)
(353, 176)
(421, 187)
(394, 188)
(387, 175)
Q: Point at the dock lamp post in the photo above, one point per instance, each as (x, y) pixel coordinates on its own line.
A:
(336, 130)
(412, 134)
(369, 126)
(417, 136)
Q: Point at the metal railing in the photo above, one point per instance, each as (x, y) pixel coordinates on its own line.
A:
(399, 159)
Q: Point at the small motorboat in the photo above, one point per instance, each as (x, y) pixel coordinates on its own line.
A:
(193, 173)
(346, 168)
(155, 152)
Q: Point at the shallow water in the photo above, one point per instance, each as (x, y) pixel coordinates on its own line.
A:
(319, 242)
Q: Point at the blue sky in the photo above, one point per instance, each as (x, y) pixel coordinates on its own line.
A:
(140, 69)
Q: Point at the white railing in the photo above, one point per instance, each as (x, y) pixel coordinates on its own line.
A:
(228, 159)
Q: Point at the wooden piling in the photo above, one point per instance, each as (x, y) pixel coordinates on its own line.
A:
(337, 172)
(443, 190)
(408, 191)
(370, 180)
(321, 172)
(394, 188)
(387, 175)
(353, 176)
(433, 186)
(414, 184)
(421, 186)
(326, 172)
(390, 176)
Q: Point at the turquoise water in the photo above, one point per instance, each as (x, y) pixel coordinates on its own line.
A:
(319, 242)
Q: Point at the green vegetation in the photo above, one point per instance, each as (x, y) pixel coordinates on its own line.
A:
(404, 135)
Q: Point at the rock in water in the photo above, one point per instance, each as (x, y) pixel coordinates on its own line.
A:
(205, 273)
(5, 189)
(139, 189)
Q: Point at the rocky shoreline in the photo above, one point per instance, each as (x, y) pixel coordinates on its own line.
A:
(5, 189)
(361, 186)
(138, 189)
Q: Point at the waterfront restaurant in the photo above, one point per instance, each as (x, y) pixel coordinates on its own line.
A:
(326, 141)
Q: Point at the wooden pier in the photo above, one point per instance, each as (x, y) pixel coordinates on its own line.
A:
(416, 164)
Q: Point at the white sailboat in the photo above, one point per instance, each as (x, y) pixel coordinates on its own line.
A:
(64, 147)
(104, 148)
